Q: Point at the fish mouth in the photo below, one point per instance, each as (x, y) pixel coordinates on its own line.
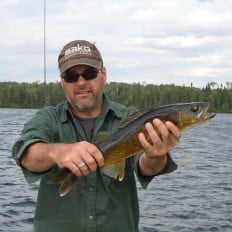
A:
(205, 115)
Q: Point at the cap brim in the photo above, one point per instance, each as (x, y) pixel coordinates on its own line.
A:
(82, 61)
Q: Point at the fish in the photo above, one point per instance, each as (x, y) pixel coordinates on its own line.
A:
(116, 147)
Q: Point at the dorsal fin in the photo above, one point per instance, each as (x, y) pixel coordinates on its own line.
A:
(134, 116)
(100, 137)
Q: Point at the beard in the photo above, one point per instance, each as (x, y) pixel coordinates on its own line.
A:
(85, 106)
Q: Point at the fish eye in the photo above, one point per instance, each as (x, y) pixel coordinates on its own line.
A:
(195, 108)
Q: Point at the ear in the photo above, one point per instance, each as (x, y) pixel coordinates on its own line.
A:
(104, 73)
(62, 82)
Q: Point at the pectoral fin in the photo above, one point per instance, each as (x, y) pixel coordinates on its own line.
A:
(100, 137)
(116, 171)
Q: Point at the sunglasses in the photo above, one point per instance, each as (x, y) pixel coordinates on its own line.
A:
(71, 76)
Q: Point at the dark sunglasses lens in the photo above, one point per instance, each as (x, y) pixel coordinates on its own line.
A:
(70, 77)
(90, 74)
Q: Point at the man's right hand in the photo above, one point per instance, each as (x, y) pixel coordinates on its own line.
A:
(80, 158)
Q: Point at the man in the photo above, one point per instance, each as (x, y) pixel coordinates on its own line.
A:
(61, 137)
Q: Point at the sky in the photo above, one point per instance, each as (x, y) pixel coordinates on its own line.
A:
(152, 41)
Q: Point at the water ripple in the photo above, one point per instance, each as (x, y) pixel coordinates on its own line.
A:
(195, 198)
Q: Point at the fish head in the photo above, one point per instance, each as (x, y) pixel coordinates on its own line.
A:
(194, 113)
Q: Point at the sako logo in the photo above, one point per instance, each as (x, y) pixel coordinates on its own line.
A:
(78, 50)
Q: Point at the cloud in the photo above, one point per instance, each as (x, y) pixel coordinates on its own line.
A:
(171, 41)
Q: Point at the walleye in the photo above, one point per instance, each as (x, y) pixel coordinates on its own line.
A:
(124, 143)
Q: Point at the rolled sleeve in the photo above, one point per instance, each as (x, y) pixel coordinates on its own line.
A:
(33, 132)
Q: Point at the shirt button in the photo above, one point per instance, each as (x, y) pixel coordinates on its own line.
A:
(90, 189)
(90, 217)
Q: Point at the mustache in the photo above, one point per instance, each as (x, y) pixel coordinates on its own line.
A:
(83, 89)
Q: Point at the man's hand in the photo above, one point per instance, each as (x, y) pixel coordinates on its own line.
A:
(154, 158)
(81, 158)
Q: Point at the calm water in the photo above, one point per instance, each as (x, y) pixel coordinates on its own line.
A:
(196, 197)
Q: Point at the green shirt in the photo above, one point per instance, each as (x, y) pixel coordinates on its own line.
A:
(97, 202)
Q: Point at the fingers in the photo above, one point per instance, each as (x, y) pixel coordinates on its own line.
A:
(142, 139)
(160, 137)
(161, 131)
(89, 158)
(173, 129)
(84, 168)
(87, 164)
(82, 158)
(74, 168)
(164, 130)
(96, 155)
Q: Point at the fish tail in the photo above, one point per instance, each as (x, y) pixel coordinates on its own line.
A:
(67, 184)
(60, 176)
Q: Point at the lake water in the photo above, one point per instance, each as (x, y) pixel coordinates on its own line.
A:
(196, 197)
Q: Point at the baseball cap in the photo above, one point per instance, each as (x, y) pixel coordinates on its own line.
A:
(79, 52)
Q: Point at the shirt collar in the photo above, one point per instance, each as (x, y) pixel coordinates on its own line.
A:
(107, 107)
(65, 111)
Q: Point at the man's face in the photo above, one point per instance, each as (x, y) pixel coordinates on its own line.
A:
(85, 96)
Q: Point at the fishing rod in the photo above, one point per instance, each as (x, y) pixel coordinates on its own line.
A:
(45, 65)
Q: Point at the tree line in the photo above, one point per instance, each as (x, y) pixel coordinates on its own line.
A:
(140, 95)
